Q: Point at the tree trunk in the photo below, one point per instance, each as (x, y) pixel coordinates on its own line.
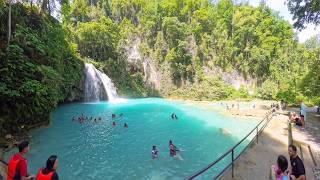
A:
(44, 6)
(49, 8)
(9, 22)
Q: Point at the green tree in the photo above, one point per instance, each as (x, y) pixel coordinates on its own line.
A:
(97, 40)
(304, 12)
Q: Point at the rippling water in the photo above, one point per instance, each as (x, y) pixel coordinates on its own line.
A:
(100, 151)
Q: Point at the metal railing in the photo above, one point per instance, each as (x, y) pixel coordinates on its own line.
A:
(256, 129)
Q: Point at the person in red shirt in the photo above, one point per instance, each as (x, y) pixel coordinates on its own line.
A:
(18, 165)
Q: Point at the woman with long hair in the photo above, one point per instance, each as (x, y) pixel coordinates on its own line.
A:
(49, 172)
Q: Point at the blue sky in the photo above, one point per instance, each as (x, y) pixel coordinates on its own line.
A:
(279, 6)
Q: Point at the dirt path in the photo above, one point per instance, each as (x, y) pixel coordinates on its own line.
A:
(309, 140)
(255, 163)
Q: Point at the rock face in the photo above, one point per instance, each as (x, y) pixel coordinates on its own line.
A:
(146, 64)
(77, 93)
(233, 78)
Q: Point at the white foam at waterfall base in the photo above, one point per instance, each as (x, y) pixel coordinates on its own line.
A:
(98, 85)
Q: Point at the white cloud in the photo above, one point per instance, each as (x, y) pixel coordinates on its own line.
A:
(308, 32)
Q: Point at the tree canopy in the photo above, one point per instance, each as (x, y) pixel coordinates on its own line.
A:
(304, 12)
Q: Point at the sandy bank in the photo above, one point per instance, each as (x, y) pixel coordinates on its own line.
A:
(256, 161)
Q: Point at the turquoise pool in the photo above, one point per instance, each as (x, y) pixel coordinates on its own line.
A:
(101, 151)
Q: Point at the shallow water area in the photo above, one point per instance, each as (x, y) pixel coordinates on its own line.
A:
(98, 150)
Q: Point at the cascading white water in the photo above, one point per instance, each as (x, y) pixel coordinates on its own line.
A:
(98, 86)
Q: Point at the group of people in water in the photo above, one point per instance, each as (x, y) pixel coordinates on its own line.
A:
(82, 119)
(18, 166)
(114, 116)
(172, 150)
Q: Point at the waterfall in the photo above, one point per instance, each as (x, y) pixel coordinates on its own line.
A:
(98, 86)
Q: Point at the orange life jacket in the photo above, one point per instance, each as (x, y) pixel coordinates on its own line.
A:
(12, 168)
(42, 176)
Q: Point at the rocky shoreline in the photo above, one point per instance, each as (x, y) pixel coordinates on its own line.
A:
(11, 141)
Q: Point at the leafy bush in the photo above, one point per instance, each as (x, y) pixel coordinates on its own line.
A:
(288, 96)
(208, 89)
(39, 69)
(268, 90)
(241, 93)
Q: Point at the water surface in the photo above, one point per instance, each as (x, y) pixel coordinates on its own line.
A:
(100, 151)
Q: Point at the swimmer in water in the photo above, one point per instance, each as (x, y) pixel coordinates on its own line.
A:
(174, 116)
(125, 125)
(173, 149)
(154, 152)
(113, 116)
(80, 120)
(113, 123)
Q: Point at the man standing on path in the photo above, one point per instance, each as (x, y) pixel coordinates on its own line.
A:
(297, 168)
(18, 165)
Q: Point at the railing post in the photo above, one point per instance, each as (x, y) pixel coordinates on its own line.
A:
(267, 119)
(232, 156)
(257, 135)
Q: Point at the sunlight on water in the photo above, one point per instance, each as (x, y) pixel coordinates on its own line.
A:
(98, 150)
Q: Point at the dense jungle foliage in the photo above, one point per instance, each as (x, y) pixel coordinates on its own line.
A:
(39, 68)
(187, 40)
